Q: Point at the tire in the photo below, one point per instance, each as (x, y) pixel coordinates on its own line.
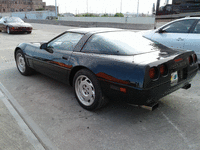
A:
(8, 30)
(21, 63)
(87, 90)
(29, 32)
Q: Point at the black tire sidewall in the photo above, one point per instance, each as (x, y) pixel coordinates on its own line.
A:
(95, 82)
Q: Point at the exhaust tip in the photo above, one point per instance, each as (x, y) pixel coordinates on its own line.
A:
(151, 106)
(187, 86)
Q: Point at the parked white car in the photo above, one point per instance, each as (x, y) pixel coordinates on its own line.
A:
(179, 34)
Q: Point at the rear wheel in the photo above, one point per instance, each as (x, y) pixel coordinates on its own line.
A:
(87, 90)
(28, 32)
(22, 66)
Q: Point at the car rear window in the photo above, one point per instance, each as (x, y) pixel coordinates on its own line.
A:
(119, 43)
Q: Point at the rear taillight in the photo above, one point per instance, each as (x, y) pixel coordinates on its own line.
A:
(153, 73)
(190, 59)
(163, 70)
(195, 58)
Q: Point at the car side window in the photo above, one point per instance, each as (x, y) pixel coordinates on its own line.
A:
(66, 41)
(197, 28)
(182, 26)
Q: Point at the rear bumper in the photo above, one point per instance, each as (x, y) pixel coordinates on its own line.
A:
(142, 96)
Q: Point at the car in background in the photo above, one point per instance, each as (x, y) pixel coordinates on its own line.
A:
(105, 62)
(14, 25)
(183, 34)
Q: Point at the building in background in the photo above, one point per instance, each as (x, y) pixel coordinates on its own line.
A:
(24, 5)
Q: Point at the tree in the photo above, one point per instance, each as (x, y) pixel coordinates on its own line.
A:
(86, 15)
(40, 9)
(118, 15)
(105, 15)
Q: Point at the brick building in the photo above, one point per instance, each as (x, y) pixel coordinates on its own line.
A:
(23, 5)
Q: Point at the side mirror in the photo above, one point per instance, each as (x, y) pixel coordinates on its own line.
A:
(48, 49)
(161, 31)
(43, 46)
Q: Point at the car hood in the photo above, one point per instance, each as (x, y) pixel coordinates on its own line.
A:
(149, 34)
(19, 24)
(38, 44)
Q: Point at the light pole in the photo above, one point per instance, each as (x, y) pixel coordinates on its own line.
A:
(56, 8)
(121, 7)
(138, 9)
(87, 6)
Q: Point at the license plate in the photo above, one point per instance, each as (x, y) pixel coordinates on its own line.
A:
(174, 78)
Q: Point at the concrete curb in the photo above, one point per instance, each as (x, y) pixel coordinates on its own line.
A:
(34, 134)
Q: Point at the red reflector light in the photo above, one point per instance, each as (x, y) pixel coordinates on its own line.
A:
(190, 59)
(123, 90)
(177, 60)
(195, 58)
(162, 69)
(152, 73)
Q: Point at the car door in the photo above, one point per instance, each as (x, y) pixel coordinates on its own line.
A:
(55, 60)
(174, 34)
(192, 42)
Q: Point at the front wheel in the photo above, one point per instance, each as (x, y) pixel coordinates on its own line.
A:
(87, 90)
(22, 66)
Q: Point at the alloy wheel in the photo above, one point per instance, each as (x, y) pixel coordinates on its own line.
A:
(85, 90)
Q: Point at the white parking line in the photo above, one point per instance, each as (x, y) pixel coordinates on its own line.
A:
(179, 131)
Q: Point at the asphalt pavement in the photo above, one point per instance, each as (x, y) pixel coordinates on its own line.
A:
(37, 112)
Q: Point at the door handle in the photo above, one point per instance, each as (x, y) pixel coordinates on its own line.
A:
(65, 57)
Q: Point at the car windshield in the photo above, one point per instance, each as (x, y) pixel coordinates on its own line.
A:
(12, 19)
(119, 43)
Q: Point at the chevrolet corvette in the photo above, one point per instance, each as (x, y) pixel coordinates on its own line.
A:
(106, 62)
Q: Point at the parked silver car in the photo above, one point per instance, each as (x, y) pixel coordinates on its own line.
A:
(183, 34)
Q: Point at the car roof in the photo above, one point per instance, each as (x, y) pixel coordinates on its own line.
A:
(93, 30)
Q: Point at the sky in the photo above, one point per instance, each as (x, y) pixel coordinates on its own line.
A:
(104, 6)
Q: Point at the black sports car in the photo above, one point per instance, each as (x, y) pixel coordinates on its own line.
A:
(113, 63)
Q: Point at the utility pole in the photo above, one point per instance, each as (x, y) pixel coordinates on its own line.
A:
(138, 9)
(56, 8)
(121, 7)
(87, 6)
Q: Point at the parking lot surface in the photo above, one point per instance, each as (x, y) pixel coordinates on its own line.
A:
(54, 109)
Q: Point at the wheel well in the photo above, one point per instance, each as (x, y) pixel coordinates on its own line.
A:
(73, 72)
